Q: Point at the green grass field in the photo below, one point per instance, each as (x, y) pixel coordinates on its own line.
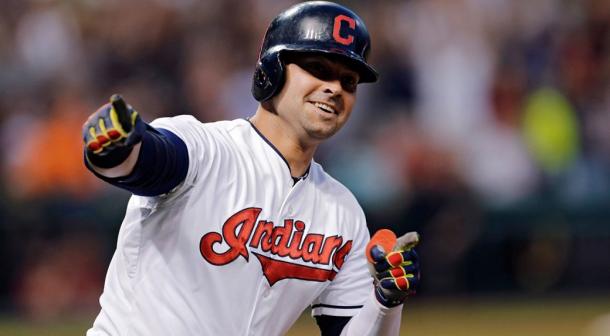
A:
(472, 317)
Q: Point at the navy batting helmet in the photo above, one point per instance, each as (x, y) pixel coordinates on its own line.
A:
(313, 27)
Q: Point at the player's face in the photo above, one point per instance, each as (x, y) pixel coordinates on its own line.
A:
(318, 95)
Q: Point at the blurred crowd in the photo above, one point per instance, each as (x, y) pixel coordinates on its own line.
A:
(482, 106)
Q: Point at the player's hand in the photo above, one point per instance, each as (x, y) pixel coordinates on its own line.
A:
(115, 127)
(396, 272)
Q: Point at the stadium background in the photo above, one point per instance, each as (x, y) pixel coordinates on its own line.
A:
(488, 133)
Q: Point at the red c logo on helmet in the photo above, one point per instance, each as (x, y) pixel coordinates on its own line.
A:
(349, 39)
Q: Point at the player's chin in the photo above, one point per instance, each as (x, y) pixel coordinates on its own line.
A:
(323, 132)
(322, 127)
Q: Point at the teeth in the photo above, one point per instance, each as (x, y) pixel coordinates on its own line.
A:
(324, 107)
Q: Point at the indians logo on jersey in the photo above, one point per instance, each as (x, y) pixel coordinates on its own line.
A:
(242, 230)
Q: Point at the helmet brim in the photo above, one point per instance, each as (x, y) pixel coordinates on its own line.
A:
(367, 73)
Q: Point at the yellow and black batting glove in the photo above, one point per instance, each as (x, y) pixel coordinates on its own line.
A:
(111, 132)
(396, 272)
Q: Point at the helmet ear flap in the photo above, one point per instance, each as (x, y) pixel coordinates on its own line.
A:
(261, 85)
(268, 77)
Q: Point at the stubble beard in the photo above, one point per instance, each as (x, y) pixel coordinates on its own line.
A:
(322, 131)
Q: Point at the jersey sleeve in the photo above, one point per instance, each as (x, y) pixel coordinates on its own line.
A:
(200, 143)
(349, 290)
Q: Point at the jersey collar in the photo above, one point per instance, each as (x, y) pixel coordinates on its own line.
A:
(294, 179)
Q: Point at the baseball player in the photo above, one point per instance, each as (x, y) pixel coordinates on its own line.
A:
(233, 228)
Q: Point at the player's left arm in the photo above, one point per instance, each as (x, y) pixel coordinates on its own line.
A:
(396, 276)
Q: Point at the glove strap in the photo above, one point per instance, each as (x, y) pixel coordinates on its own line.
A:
(385, 301)
(113, 158)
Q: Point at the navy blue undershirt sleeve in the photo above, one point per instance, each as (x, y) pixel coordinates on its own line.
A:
(332, 325)
(162, 164)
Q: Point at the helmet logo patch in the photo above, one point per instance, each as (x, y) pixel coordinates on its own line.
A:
(343, 39)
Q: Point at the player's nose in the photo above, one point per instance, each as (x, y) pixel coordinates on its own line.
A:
(333, 87)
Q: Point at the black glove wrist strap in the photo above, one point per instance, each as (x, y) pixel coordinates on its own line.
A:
(387, 302)
(113, 158)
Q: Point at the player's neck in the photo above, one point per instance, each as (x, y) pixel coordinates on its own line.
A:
(297, 153)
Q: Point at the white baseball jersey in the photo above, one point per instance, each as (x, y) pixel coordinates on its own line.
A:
(238, 248)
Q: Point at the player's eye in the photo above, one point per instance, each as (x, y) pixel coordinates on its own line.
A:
(318, 70)
(349, 83)
(325, 72)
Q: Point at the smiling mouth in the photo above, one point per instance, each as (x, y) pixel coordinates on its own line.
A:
(325, 107)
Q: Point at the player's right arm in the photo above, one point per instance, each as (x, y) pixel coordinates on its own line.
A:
(123, 150)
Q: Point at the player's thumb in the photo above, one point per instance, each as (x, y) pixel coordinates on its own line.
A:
(123, 112)
(407, 241)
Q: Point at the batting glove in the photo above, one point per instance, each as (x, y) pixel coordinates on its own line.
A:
(111, 132)
(396, 273)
